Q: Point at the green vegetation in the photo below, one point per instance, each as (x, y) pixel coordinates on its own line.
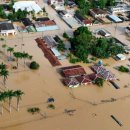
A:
(33, 110)
(8, 95)
(51, 106)
(65, 35)
(123, 69)
(61, 45)
(99, 82)
(84, 43)
(34, 65)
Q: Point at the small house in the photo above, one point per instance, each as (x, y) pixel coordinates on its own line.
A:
(64, 13)
(121, 57)
(84, 80)
(73, 71)
(98, 13)
(71, 82)
(7, 28)
(83, 21)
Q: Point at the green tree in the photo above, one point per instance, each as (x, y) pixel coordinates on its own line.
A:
(2, 66)
(18, 94)
(2, 99)
(17, 55)
(10, 95)
(25, 56)
(4, 46)
(4, 73)
(61, 46)
(10, 50)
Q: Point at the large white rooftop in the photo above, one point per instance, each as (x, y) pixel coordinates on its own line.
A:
(28, 5)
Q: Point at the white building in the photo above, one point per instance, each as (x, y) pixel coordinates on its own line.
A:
(121, 57)
(55, 2)
(27, 5)
(65, 14)
(7, 28)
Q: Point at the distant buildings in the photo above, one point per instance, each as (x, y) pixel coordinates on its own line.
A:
(7, 28)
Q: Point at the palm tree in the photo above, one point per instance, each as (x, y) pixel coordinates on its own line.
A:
(10, 95)
(18, 94)
(2, 66)
(17, 55)
(4, 73)
(25, 56)
(4, 46)
(10, 49)
(2, 98)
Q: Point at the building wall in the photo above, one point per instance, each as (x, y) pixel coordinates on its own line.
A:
(47, 28)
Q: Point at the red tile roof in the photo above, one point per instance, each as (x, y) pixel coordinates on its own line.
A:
(73, 71)
(48, 54)
(84, 79)
(87, 21)
(70, 82)
(107, 75)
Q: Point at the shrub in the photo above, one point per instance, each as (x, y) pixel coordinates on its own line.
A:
(99, 82)
(123, 69)
(33, 110)
(34, 65)
(65, 35)
(51, 106)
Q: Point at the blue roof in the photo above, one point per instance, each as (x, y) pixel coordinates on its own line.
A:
(115, 18)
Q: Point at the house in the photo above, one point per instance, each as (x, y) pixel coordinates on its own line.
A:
(42, 19)
(120, 8)
(71, 82)
(7, 28)
(73, 71)
(27, 5)
(49, 41)
(101, 71)
(48, 25)
(54, 2)
(27, 22)
(121, 57)
(114, 18)
(94, 76)
(83, 21)
(98, 13)
(64, 13)
(83, 80)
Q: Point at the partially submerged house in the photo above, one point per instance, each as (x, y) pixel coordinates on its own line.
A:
(102, 72)
(83, 21)
(7, 28)
(84, 80)
(98, 13)
(49, 41)
(48, 25)
(64, 13)
(73, 71)
(71, 82)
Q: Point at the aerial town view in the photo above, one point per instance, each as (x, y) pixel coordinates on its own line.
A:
(64, 64)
